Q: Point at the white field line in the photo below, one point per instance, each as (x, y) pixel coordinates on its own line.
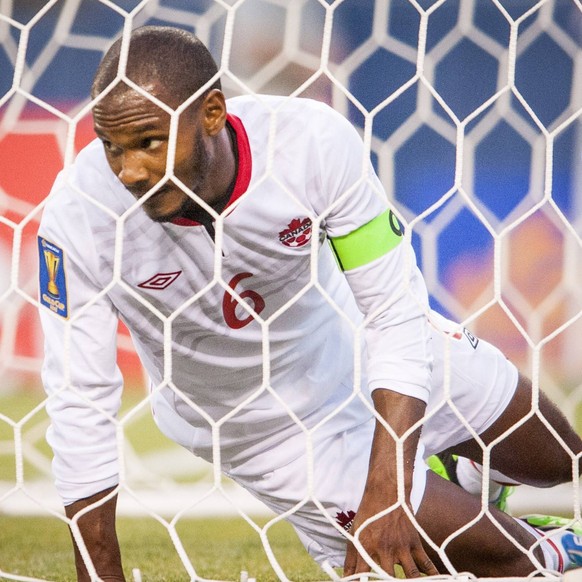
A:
(40, 498)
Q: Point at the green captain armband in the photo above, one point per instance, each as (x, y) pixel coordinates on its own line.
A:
(369, 242)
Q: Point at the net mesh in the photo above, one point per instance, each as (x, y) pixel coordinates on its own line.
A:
(471, 111)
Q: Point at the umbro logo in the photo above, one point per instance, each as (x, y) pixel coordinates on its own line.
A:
(160, 281)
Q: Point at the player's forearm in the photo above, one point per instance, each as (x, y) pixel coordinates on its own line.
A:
(389, 539)
(97, 527)
(400, 413)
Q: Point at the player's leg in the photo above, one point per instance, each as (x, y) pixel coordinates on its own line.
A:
(534, 442)
(339, 464)
(541, 453)
(537, 542)
(473, 379)
(537, 452)
(340, 461)
(531, 454)
(482, 549)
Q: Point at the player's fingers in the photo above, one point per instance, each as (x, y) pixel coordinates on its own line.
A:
(388, 565)
(428, 568)
(424, 563)
(362, 567)
(350, 561)
(409, 567)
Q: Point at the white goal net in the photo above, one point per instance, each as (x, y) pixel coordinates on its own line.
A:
(472, 110)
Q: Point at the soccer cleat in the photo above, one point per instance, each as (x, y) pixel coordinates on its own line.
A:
(445, 465)
(570, 538)
(501, 501)
(572, 543)
(548, 522)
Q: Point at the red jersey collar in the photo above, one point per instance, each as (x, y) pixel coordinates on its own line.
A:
(244, 170)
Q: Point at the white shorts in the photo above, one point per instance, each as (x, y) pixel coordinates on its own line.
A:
(320, 493)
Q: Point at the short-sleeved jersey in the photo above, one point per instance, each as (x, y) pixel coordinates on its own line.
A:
(254, 378)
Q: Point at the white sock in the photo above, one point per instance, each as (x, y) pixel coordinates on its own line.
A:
(470, 477)
(555, 557)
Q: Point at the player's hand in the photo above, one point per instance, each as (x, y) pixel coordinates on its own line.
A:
(389, 540)
(97, 527)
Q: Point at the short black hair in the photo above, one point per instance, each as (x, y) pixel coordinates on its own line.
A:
(173, 57)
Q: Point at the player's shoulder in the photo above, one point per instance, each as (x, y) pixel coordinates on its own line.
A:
(299, 123)
(88, 180)
(90, 172)
(79, 191)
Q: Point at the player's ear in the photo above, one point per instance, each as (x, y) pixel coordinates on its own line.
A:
(214, 112)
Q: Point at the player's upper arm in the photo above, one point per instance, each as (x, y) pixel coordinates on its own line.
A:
(80, 373)
(368, 242)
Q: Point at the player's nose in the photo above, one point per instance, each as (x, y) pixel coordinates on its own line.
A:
(133, 173)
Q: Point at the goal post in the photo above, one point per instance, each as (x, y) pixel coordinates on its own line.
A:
(472, 113)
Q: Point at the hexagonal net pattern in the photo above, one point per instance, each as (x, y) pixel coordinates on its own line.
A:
(471, 112)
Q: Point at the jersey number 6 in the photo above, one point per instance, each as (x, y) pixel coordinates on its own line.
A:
(229, 303)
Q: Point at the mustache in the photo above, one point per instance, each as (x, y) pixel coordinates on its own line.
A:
(140, 190)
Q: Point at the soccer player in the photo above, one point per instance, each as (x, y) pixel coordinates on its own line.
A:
(250, 250)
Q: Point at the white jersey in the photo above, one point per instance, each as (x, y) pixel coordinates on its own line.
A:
(261, 375)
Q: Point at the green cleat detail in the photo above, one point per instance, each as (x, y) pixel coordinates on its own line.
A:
(501, 501)
(444, 465)
(548, 522)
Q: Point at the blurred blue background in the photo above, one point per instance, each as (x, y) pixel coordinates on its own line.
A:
(489, 134)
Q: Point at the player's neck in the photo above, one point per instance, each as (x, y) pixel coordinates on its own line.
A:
(228, 169)
(198, 214)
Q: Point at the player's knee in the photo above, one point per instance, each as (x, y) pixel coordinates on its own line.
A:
(549, 472)
(492, 555)
(562, 472)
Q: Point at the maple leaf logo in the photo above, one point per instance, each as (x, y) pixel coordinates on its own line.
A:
(297, 233)
(345, 519)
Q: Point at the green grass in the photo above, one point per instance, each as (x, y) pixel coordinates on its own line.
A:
(217, 548)
(17, 408)
(139, 427)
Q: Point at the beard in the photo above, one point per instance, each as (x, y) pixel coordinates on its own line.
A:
(189, 208)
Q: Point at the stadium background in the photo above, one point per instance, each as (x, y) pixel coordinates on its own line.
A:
(507, 195)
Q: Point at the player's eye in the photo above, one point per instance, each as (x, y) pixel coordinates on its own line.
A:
(109, 147)
(149, 143)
